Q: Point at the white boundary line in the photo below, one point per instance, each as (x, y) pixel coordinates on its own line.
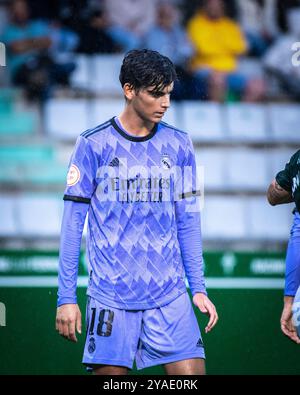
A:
(211, 282)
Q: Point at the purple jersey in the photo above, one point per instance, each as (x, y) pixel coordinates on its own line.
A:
(143, 230)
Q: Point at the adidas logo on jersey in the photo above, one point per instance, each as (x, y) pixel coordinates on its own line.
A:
(199, 343)
(115, 162)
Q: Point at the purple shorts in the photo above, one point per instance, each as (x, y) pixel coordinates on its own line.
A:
(150, 337)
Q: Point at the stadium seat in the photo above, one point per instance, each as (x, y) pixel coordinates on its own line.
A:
(65, 119)
(25, 154)
(247, 169)
(4, 18)
(8, 225)
(11, 173)
(46, 174)
(30, 164)
(17, 124)
(28, 175)
(104, 109)
(279, 158)
(106, 69)
(223, 218)
(213, 161)
(251, 67)
(246, 122)
(37, 174)
(7, 96)
(39, 215)
(267, 222)
(82, 75)
(284, 120)
(171, 116)
(203, 121)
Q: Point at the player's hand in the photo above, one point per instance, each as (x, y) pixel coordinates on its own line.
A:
(207, 307)
(286, 320)
(68, 317)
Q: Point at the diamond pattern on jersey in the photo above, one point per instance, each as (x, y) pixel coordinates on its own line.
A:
(133, 250)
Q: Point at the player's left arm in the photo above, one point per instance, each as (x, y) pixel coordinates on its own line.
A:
(206, 307)
(187, 212)
(280, 189)
(189, 237)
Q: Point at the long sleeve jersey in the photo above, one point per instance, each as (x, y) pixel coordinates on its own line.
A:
(143, 233)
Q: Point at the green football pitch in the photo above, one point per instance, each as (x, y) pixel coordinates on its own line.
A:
(246, 289)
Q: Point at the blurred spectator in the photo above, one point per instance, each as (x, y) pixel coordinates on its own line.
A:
(168, 37)
(63, 42)
(46, 9)
(3, 18)
(30, 45)
(94, 37)
(63, 46)
(72, 13)
(258, 19)
(283, 8)
(130, 20)
(188, 8)
(278, 60)
(219, 42)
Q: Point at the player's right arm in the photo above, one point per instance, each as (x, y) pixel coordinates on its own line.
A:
(68, 320)
(81, 185)
(68, 315)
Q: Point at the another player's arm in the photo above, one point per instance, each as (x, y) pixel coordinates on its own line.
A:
(278, 195)
(292, 283)
(286, 320)
(280, 189)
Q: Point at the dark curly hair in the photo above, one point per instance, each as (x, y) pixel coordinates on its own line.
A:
(142, 68)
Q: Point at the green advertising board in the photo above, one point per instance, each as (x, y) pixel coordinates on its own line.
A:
(247, 289)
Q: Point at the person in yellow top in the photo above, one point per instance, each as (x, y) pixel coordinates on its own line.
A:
(219, 42)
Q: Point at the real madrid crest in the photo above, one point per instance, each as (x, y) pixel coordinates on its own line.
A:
(165, 161)
(92, 345)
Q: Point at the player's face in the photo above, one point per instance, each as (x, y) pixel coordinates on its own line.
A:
(149, 104)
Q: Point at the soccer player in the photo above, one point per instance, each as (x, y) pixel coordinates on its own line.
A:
(285, 188)
(135, 176)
